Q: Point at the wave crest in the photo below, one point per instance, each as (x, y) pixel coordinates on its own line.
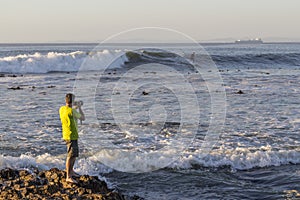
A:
(239, 159)
(57, 62)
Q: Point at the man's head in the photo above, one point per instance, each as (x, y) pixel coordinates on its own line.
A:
(70, 99)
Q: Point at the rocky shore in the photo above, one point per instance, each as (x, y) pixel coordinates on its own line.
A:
(51, 184)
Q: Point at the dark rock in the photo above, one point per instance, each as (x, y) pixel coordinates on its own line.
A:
(54, 176)
(17, 187)
(15, 88)
(9, 174)
(12, 75)
(41, 174)
(23, 192)
(23, 173)
(240, 92)
(135, 197)
(51, 189)
(145, 93)
(81, 191)
(51, 184)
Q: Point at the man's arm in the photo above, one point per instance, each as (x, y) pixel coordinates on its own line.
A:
(82, 117)
(78, 115)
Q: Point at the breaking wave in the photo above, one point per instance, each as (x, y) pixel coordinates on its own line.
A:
(58, 62)
(46, 62)
(240, 159)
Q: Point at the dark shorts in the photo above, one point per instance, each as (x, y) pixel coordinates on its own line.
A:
(72, 148)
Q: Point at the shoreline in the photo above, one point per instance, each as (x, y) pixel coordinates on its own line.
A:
(51, 184)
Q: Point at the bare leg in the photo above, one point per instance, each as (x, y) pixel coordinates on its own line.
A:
(69, 168)
(72, 162)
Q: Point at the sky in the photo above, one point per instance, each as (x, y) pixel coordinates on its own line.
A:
(95, 20)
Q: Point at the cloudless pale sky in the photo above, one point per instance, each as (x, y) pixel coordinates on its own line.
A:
(95, 20)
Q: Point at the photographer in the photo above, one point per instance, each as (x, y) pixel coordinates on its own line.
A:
(69, 117)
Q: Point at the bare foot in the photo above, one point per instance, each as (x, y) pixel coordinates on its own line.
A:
(71, 180)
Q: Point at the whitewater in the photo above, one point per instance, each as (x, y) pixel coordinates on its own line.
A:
(256, 155)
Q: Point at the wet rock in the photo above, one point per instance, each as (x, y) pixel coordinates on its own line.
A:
(81, 191)
(240, 92)
(23, 173)
(51, 184)
(145, 93)
(9, 174)
(23, 192)
(12, 75)
(15, 88)
(51, 189)
(17, 187)
(135, 197)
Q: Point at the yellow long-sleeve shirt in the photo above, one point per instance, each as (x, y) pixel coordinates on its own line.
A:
(68, 117)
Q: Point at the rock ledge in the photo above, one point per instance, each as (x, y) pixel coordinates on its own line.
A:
(51, 184)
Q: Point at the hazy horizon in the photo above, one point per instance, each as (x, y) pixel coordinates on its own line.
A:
(93, 21)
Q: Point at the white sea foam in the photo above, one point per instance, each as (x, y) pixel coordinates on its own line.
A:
(59, 62)
(239, 159)
(46, 161)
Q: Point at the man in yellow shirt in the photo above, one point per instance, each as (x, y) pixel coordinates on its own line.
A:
(69, 117)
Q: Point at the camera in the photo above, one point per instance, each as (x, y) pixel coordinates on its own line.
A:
(78, 103)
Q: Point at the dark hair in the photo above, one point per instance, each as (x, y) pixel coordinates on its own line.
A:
(69, 98)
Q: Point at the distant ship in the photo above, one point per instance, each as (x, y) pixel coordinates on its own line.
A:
(251, 41)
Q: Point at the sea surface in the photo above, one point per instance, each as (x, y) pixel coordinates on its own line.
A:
(156, 126)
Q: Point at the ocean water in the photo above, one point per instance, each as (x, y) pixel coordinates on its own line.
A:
(255, 152)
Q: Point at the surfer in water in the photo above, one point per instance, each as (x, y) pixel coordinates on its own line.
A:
(192, 58)
(69, 117)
